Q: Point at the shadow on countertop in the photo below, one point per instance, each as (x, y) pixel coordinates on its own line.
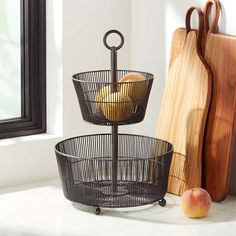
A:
(170, 214)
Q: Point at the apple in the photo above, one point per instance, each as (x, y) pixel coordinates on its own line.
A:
(117, 107)
(134, 86)
(101, 94)
(195, 203)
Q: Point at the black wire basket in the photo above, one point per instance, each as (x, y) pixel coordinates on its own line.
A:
(125, 105)
(91, 176)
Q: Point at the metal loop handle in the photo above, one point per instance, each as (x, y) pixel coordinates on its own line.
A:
(113, 32)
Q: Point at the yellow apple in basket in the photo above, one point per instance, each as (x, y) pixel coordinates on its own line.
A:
(101, 94)
(135, 86)
(117, 107)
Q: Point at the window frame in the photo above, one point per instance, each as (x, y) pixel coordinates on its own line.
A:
(33, 73)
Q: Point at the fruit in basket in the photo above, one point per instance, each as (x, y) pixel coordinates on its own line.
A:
(101, 94)
(195, 202)
(117, 107)
(134, 86)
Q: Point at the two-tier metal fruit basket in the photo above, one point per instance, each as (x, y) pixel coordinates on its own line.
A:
(114, 170)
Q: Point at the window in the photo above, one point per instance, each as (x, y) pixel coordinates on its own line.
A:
(30, 113)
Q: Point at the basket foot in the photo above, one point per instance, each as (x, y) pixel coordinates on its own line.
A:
(97, 210)
(162, 202)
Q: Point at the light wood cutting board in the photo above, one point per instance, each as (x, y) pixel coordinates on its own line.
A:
(184, 109)
(220, 54)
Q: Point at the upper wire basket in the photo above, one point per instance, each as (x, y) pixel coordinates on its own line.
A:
(104, 102)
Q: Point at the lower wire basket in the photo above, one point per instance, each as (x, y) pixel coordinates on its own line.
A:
(87, 170)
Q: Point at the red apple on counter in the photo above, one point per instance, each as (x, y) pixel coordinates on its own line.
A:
(195, 202)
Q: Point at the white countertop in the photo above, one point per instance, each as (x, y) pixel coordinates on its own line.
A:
(41, 209)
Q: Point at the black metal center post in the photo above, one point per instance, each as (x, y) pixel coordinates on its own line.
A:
(113, 90)
(114, 127)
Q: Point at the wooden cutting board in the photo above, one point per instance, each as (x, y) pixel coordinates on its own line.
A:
(220, 54)
(184, 109)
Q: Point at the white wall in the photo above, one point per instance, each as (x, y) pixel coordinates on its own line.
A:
(152, 25)
(85, 23)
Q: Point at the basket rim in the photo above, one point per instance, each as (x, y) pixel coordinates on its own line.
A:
(92, 82)
(120, 134)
